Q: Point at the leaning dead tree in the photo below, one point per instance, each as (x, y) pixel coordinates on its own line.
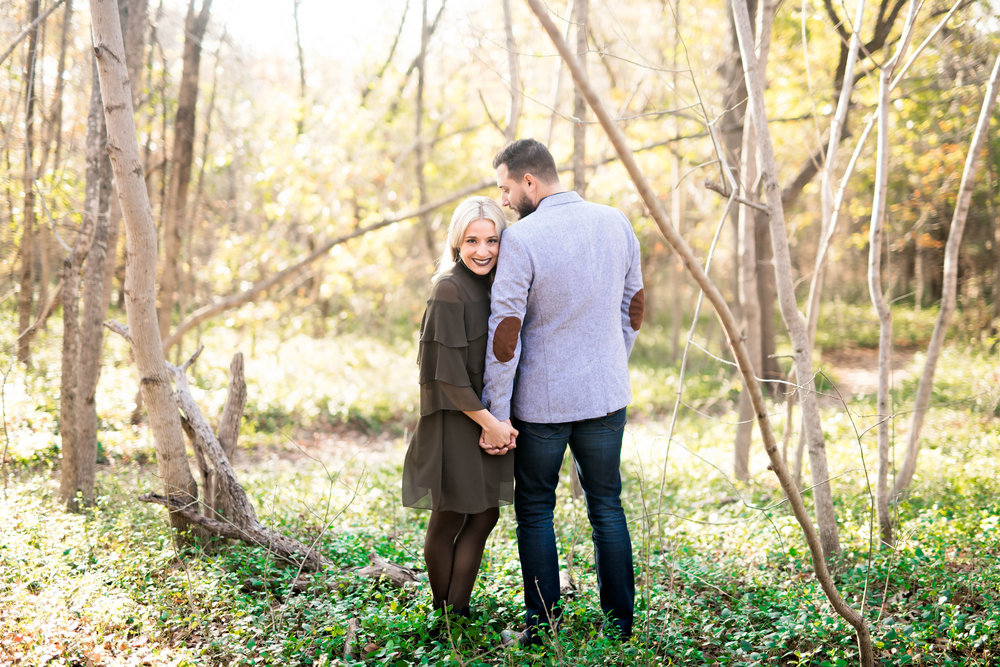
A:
(726, 317)
(157, 379)
(225, 509)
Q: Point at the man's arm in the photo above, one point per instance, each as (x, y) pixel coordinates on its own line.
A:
(508, 304)
(634, 296)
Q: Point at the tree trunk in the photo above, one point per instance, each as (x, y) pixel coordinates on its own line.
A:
(96, 299)
(217, 501)
(802, 350)
(722, 310)
(26, 295)
(83, 339)
(181, 159)
(300, 57)
(950, 283)
(881, 305)
(70, 484)
(747, 274)
(516, 97)
(580, 11)
(242, 523)
(880, 302)
(425, 220)
(140, 279)
(767, 288)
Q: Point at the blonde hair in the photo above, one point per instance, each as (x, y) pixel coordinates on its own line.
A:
(467, 212)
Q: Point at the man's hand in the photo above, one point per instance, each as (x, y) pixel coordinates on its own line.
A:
(499, 438)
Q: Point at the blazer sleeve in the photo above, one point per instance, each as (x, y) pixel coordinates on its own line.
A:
(634, 296)
(508, 304)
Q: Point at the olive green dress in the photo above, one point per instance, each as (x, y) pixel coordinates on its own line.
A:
(445, 469)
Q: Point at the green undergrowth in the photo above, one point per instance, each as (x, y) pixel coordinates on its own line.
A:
(723, 574)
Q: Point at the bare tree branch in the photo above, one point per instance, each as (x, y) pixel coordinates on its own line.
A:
(27, 30)
(722, 309)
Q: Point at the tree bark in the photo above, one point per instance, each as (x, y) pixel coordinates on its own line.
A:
(729, 324)
(83, 329)
(70, 484)
(950, 283)
(746, 266)
(26, 295)
(418, 131)
(879, 300)
(802, 349)
(580, 11)
(300, 57)
(95, 302)
(881, 305)
(140, 279)
(516, 96)
(181, 159)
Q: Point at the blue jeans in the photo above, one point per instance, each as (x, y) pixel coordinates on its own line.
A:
(596, 445)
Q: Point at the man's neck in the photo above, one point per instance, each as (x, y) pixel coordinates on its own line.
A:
(549, 189)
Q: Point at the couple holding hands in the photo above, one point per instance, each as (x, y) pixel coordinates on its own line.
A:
(521, 353)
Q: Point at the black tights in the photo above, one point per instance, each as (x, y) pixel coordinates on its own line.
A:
(453, 551)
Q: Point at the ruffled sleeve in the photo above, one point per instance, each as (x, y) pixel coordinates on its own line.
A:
(443, 355)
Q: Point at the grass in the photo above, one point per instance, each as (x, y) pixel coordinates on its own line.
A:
(723, 574)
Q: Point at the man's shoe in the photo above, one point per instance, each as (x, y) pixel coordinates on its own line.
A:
(510, 639)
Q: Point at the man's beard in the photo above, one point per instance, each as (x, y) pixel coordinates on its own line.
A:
(524, 208)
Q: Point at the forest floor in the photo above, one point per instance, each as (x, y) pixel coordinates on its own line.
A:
(852, 370)
(107, 588)
(855, 369)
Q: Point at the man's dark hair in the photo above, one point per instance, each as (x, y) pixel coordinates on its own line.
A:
(527, 156)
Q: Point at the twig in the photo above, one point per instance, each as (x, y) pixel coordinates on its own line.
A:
(24, 33)
(350, 637)
(716, 187)
(120, 329)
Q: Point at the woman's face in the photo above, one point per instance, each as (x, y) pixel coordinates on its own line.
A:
(479, 246)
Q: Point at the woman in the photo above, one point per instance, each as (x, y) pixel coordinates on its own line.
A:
(445, 469)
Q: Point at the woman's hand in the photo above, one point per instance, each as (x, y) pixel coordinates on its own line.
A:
(498, 437)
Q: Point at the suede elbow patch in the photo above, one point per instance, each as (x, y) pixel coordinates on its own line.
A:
(636, 308)
(505, 339)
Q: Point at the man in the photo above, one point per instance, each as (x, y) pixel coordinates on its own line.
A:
(567, 303)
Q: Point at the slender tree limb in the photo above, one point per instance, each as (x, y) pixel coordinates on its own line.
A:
(380, 567)
(950, 286)
(828, 544)
(729, 323)
(721, 189)
(27, 30)
(369, 87)
(120, 329)
(241, 298)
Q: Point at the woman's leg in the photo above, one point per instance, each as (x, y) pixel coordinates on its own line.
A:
(468, 556)
(443, 529)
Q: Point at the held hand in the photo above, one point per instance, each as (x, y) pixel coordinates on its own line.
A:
(499, 438)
